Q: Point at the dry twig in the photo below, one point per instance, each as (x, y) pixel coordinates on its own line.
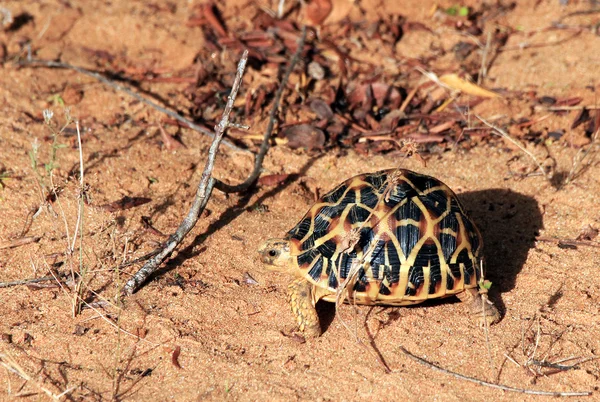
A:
(27, 281)
(565, 243)
(490, 384)
(207, 182)
(19, 242)
(265, 144)
(498, 131)
(121, 88)
(11, 365)
(202, 193)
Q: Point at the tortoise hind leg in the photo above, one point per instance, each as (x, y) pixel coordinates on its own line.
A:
(302, 299)
(473, 300)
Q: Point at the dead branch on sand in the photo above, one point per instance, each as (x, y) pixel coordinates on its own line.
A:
(207, 182)
(490, 384)
(121, 88)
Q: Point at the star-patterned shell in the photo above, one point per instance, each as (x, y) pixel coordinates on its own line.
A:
(406, 234)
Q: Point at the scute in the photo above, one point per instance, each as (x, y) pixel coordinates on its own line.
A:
(425, 246)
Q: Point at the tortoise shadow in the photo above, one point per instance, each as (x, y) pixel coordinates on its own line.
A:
(509, 223)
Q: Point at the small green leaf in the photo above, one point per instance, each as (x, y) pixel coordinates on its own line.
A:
(56, 99)
(452, 10)
(463, 11)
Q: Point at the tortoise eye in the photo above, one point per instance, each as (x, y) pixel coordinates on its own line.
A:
(273, 253)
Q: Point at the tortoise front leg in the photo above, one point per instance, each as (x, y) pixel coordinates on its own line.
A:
(473, 300)
(302, 299)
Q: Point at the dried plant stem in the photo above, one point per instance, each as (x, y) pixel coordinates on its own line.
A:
(584, 154)
(10, 364)
(258, 161)
(565, 108)
(504, 134)
(121, 88)
(82, 268)
(490, 384)
(202, 193)
(26, 281)
(484, 67)
(81, 189)
(568, 242)
(483, 291)
(19, 242)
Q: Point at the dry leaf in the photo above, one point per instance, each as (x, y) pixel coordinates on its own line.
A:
(272, 179)
(175, 356)
(304, 136)
(322, 109)
(455, 82)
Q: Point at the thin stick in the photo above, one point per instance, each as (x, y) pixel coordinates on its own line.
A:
(504, 134)
(483, 69)
(264, 147)
(26, 281)
(484, 301)
(82, 268)
(490, 384)
(578, 161)
(565, 108)
(81, 189)
(114, 85)
(568, 242)
(202, 194)
(19, 242)
(8, 362)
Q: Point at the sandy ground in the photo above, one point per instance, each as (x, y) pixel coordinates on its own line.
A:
(232, 333)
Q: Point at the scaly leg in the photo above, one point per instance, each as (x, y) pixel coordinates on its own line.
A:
(473, 300)
(302, 299)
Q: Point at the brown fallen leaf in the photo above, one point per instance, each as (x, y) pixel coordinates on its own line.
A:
(175, 356)
(442, 127)
(574, 101)
(459, 84)
(304, 136)
(125, 203)
(272, 179)
(322, 109)
(211, 15)
(382, 93)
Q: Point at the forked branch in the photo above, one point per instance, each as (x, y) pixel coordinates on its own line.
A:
(202, 193)
(258, 161)
(207, 182)
(121, 88)
(490, 384)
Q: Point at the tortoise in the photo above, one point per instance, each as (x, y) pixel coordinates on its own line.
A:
(400, 236)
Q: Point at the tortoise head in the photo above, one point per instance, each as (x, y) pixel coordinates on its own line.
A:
(275, 254)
